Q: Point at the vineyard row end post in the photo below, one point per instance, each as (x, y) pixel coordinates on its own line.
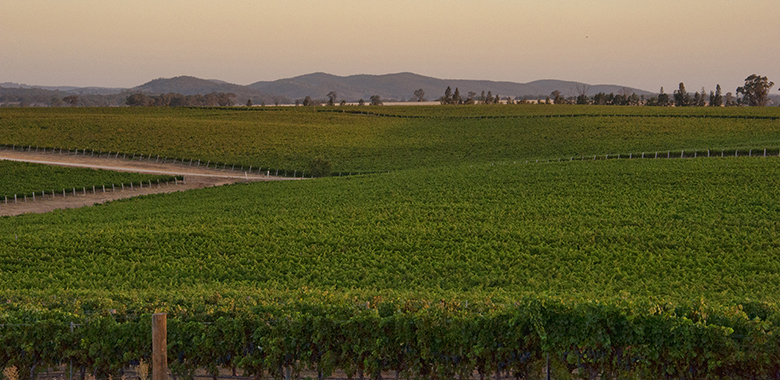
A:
(159, 346)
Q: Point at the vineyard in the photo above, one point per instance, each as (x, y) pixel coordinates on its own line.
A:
(22, 179)
(431, 340)
(290, 138)
(479, 247)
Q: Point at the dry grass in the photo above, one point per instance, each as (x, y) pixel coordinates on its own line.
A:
(142, 369)
(11, 373)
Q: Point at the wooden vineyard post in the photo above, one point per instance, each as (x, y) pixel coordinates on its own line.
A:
(159, 346)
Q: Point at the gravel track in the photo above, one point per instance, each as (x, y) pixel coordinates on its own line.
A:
(195, 178)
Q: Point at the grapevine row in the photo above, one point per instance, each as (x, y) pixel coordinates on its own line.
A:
(542, 116)
(216, 165)
(112, 187)
(436, 341)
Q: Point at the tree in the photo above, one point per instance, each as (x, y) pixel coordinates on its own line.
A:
(730, 99)
(755, 90)
(600, 99)
(343, 103)
(716, 99)
(56, 102)
(376, 100)
(634, 99)
(226, 99)
(249, 103)
(137, 100)
(681, 97)
(482, 98)
(582, 94)
(557, 98)
(361, 102)
(419, 95)
(447, 98)
(456, 97)
(332, 98)
(703, 98)
(71, 99)
(307, 101)
(470, 97)
(663, 98)
(618, 100)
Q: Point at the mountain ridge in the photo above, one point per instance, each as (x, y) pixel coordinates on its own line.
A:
(396, 86)
(401, 86)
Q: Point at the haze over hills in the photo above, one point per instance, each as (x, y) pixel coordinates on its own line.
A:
(400, 86)
(68, 89)
(187, 85)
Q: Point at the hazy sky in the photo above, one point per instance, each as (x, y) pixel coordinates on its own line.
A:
(645, 44)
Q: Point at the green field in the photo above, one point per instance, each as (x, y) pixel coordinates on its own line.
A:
(459, 253)
(23, 178)
(672, 229)
(289, 138)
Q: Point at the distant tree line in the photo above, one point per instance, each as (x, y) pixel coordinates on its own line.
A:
(332, 99)
(178, 100)
(755, 92)
(38, 97)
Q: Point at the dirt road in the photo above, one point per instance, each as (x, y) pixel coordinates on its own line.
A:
(195, 178)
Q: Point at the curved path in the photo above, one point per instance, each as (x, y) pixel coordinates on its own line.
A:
(195, 178)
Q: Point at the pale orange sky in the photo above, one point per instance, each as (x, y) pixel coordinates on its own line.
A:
(645, 44)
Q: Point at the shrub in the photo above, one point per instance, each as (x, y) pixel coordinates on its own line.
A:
(319, 167)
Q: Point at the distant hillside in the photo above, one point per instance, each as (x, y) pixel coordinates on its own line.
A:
(67, 89)
(40, 97)
(187, 85)
(401, 86)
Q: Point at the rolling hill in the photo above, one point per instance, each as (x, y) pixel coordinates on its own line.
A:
(401, 86)
(187, 85)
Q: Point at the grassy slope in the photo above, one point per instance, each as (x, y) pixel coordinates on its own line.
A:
(676, 229)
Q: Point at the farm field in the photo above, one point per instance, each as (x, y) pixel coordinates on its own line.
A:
(460, 254)
(287, 139)
(665, 229)
(23, 178)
